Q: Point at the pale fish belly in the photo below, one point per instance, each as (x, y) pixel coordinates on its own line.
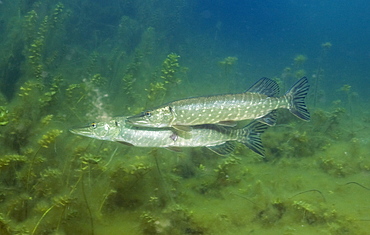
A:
(166, 138)
(203, 137)
(231, 107)
(147, 138)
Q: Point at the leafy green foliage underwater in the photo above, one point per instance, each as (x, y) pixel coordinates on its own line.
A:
(52, 182)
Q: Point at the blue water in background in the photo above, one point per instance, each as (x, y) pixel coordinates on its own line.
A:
(273, 32)
(265, 36)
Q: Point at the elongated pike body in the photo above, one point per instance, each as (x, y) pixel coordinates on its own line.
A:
(217, 138)
(255, 103)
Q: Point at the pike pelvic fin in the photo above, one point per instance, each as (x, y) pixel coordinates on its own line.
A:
(269, 119)
(227, 123)
(223, 149)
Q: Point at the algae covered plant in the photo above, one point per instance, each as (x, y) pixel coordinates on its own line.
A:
(67, 64)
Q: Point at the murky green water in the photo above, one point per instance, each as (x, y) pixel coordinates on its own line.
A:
(66, 64)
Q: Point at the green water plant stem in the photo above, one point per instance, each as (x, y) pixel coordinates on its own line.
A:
(42, 217)
(227, 65)
(87, 203)
(44, 142)
(347, 89)
(324, 49)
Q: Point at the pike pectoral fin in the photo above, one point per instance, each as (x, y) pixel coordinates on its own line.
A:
(182, 128)
(183, 131)
(227, 123)
(125, 143)
(175, 149)
(223, 149)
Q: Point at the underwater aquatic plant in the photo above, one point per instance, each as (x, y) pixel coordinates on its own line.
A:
(49, 138)
(156, 89)
(228, 62)
(326, 45)
(4, 118)
(57, 15)
(223, 171)
(98, 80)
(169, 68)
(128, 32)
(227, 65)
(299, 60)
(35, 50)
(300, 73)
(347, 89)
(167, 79)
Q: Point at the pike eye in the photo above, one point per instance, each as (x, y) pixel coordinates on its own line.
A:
(93, 125)
(147, 113)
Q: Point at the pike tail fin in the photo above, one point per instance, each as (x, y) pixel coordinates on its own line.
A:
(296, 96)
(251, 136)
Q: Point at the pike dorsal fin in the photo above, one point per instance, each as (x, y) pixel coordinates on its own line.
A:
(223, 149)
(265, 86)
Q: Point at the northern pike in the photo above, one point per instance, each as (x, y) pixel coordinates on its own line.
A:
(219, 139)
(257, 102)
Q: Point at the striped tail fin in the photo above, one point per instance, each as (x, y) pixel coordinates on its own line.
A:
(296, 96)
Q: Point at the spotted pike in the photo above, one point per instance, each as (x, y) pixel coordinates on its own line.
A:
(219, 139)
(258, 101)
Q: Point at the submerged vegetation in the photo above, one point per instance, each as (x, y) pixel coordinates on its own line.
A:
(58, 71)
